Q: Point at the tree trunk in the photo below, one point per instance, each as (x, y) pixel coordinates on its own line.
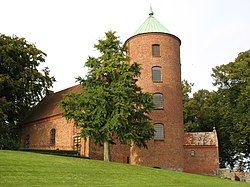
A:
(106, 152)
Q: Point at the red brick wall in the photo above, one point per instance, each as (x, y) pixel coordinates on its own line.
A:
(205, 159)
(167, 153)
(39, 133)
(118, 152)
(84, 151)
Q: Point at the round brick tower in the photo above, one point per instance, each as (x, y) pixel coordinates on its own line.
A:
(158, 52)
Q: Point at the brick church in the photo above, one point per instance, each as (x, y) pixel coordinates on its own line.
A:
(158, 52)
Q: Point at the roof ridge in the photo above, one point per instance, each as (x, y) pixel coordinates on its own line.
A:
(48, 106)
(67, 88)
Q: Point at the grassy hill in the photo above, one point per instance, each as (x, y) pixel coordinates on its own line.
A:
(32, 169)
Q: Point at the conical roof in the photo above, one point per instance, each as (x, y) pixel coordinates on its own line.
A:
(151, 25)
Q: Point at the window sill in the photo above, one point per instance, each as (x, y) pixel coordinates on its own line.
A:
(157, 81)
(159, 140)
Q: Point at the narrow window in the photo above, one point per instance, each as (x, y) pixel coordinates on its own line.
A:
(156, 50)
(159, 134)
(192, 153)
(52, 137)
(158, 100)
(128, 160)
(27, 141)
(156, 74)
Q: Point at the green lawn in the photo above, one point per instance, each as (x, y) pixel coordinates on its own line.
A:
(32, 169)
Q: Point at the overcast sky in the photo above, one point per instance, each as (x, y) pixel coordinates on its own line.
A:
(212, 32)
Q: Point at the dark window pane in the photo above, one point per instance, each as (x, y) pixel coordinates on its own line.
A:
(156, 50)
(158, 101)
(156, 74)
(159, 133)
(53, 137)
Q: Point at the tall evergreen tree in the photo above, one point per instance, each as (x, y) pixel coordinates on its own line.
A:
(112, 106)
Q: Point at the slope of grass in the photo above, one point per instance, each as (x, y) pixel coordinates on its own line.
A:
(31, 169)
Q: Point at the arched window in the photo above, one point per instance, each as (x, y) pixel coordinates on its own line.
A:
(158, 100)
(156, 50)
(156, 74)
(27, 141)
(52, 137)
(159, 131)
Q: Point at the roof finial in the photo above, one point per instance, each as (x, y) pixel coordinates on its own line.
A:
(151, 13)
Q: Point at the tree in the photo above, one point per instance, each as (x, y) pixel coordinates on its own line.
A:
(22, 85)
(200, 112)
(186, 90)
(111, 106)
(227, 109)
(233, 81)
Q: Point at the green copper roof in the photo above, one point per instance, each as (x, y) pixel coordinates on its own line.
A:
(151, 25)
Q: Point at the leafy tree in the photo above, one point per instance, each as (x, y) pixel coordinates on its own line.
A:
(200, 112)
(111, 106)
(227, 109)
(186, 90)
(22, 85)
(233, 81)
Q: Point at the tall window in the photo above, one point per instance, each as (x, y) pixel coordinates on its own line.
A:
(159, 132)
(27, 141)
(156, 50)
(158, 100)
(156, 74)
(52, 137)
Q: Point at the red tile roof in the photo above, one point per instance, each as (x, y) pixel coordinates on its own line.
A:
(201, 138)
(49, 106)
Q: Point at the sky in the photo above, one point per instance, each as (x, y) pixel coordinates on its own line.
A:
(212, 32)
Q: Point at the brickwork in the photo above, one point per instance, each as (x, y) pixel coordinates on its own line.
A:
(39, 132)
(201, 152)
(191, 152)
(84, 151)
(167, 153)
(201, 159)
(118, 152)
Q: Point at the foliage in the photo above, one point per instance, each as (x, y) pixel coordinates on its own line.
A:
(200, 112)
(22, 85)
(32, 169)
(227, 109)
(186, 90)
(233, 80)
(111, 105)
